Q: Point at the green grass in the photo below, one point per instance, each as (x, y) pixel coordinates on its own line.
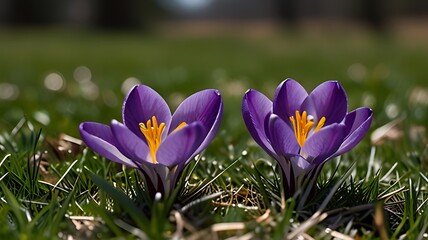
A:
(375, 191)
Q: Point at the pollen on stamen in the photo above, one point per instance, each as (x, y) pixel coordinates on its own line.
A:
(180, 126)
(143, 126)
(320, 124)
(152, 131)
(303, 124)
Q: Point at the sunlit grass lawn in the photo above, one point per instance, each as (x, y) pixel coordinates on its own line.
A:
(385, 73)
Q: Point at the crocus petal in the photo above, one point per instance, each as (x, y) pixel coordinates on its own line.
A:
(160, 178)
(357, 123)
(141, 104)
(322, 144)
(152, 174)
(100, 139)
(171, 176)
(205, 107)
(282, 137)
(128, 143)
(181, 145)
(295, 163)
(256, 107)
(299, 165)
(288, 97)
(328, 100)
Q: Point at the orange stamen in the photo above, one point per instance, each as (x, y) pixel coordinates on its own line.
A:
(302, 125)
(153, 133)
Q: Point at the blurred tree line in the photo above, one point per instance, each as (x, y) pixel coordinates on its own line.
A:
(112, 14)
(140, 14)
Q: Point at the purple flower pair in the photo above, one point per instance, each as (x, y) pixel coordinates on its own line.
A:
(154, 141)
(302, 131)
(299, 130)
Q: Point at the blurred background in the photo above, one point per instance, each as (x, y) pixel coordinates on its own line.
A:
(64, 62)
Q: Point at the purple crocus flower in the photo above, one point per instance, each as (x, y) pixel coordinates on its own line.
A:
(302, 131)
(154, 141)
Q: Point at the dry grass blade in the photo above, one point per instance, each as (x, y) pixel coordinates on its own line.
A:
(178, 234)
(265, 217)
(338, 235)
(199, 200)
(389, 131)
(230, 226)
(64, 145)
(247, 236)
(65, 174)
(131, 229)
(318, 216)
(379, 220)
(4, 159)
(387, 196)
(214, 230)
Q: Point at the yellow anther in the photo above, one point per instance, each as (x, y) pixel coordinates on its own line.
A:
(320, 124)
(302, 125)
(180, 126)
(153, 133)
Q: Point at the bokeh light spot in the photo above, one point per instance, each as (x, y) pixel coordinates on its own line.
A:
(90, 90)
(8, 91)
(392, 111)
(110, 98)
(42, 117)
(54, 82)
(368, 100)
(357, 72)
(129, 83)
(82, 74)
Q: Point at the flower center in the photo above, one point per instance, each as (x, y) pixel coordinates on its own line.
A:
(303, 124)
(153, 133)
